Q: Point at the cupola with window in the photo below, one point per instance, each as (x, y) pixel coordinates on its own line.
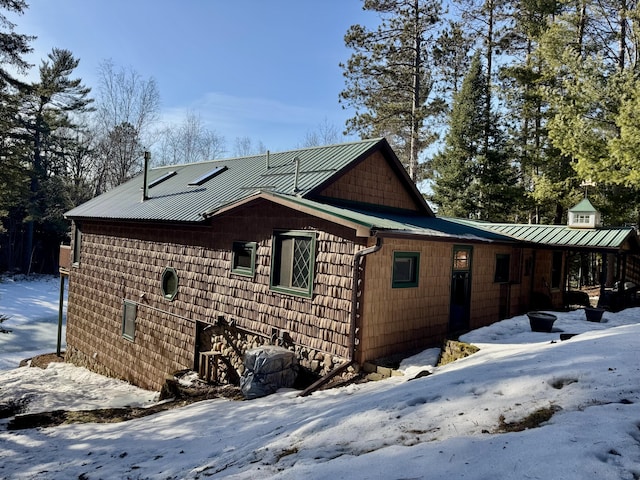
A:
(584, 215)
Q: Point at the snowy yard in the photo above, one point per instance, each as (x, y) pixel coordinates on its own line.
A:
(456, 423)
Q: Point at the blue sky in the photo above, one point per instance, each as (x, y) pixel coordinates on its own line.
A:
(265, 69)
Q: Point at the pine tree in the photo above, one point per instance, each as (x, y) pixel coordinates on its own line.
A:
(46, 117)
(473, 176)
(592, 50)
(388, 77)
(455, 186)
(14, 183)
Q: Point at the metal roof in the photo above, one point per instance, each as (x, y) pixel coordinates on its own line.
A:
(604, 238)
(367, 222)
(583, 206)
(225, 182)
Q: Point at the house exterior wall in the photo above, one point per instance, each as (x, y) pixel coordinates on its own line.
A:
(489, 296)
(126, 261)
(395, 320)
(372, 181)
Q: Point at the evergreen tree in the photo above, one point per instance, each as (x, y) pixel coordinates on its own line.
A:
(455, 188)
(13, 46)
(591, 49)
(14, 183)
(547, 178)
(46, 115)
(473, 176)
(389, 78)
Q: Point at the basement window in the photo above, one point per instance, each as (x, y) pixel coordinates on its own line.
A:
(292, 262)
(243, 258)
(169, 283)
(406, 267)
(129, 312)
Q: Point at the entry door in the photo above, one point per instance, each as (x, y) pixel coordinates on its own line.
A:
(460, 305)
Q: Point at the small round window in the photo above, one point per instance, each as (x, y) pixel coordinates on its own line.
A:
(169, 283)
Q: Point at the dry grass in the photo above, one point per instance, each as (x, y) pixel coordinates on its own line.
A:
(533, 420)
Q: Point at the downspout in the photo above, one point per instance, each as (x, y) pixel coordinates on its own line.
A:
(353, 328)
(357, 259)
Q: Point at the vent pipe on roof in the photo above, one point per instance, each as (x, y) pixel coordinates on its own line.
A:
(296, 161)
(145, 184)
(267, 159)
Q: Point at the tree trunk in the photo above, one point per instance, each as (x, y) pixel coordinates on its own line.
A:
(415, 106)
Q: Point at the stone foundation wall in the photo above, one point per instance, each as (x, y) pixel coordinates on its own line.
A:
(233, 342)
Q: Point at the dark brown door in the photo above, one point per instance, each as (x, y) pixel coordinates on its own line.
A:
(460, 306)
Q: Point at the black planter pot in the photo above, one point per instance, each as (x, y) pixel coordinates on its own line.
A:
(541, 322)
(593, 314)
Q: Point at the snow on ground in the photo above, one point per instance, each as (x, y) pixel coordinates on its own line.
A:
(436, 426)
(31, 305)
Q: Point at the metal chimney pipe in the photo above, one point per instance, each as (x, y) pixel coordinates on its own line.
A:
(145, 183)
(295, 175)
(268, 160)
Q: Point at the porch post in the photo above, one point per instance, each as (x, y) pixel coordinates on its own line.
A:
(603, 275)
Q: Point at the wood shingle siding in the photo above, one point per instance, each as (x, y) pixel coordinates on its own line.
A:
(372, 182)
(121, 261)
(404, 319)
(396, 320)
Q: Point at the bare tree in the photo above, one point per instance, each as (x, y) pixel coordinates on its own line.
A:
(127, 107)
(324, 134)
(188, 142)
(244, 146)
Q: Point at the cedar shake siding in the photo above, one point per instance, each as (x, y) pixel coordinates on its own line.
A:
(397, 320)
(126, 261)
(374, 182)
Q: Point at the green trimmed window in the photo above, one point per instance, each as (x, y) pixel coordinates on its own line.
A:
(293, 262)
(406, 269)
(169, 283)
(243, 258)
(129, 312)
(503, 262)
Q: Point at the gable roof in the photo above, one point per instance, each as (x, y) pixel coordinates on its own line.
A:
(187, 193)
(601, 238)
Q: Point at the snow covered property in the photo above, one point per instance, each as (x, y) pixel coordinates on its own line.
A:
(330, 251)
(462, 421)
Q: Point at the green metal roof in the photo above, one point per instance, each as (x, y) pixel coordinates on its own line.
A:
(603, 238)
(584, 206)
(179, 193)
(394, 223)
